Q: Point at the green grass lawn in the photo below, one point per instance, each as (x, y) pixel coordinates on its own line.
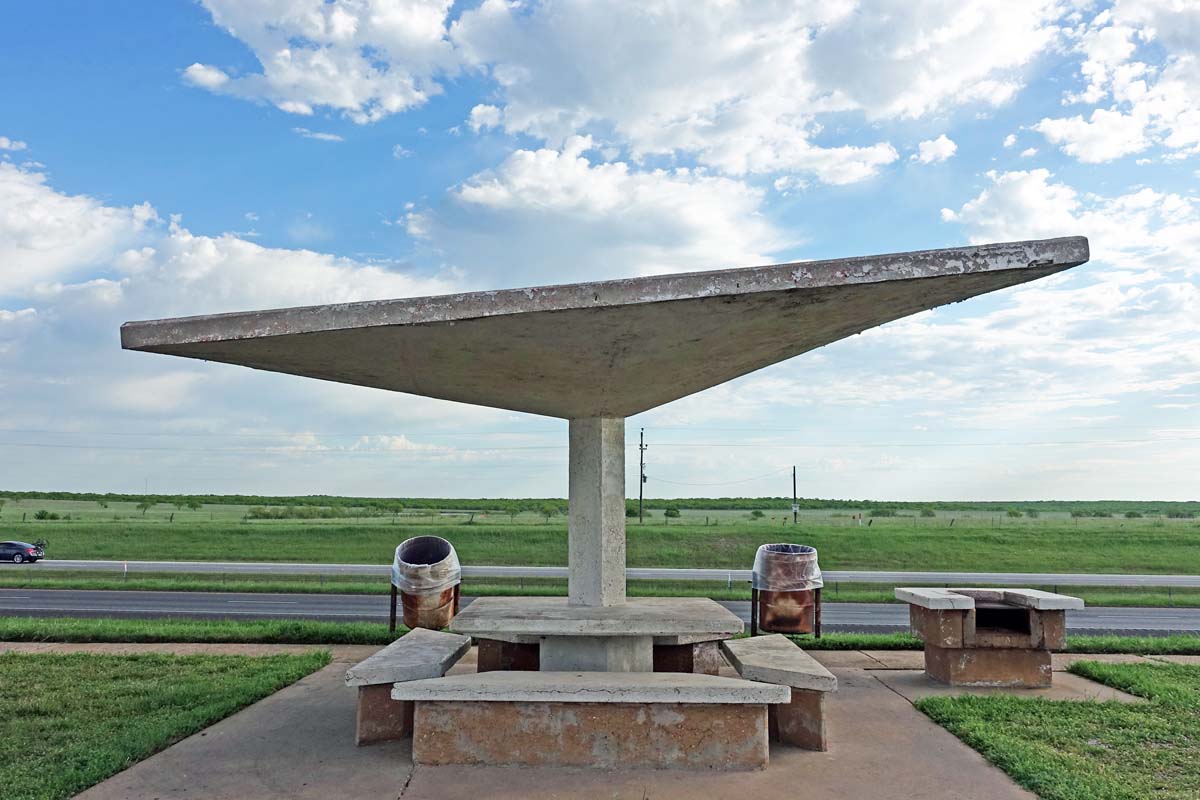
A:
(68, 722)
(73, 629)
(33, 577)
(974, 544)
(1091, 751)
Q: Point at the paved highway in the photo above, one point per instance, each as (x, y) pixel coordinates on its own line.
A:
(222, 605)
(638, 573)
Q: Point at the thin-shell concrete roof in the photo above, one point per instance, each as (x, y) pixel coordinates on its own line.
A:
(611, 348)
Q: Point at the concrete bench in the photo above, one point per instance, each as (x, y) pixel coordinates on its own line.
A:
(799, 721)
(591, 719)
(417, 655)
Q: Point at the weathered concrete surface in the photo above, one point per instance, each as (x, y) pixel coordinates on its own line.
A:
(597, 654)
(800, 723)
(596, 523)
(379, 718)
(934, 598)
(420, 653)
(914, 684)
(879, 747)
(937, 626)
(777, 659)
(585, 350)
(600, 735)
(668, 617)
(591, 687)
(850, 659)
(294, 745)
(892, 659)
(703, 657)
(1023, 668)
(966, 598)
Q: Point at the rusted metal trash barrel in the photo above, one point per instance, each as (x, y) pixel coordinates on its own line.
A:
(786, 590)
(427, 575)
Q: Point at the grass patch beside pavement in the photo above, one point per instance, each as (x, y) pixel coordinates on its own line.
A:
(68, 722)
(73, 629)
(78, 629)
(35, 577)
(1089, 750)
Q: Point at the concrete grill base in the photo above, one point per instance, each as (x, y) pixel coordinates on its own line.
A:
(600, 735)
(379, 718)
(800, 723)
(1011, 668)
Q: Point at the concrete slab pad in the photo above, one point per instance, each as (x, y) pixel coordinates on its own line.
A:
(777, 659)
(592, 687)
(913, 685)
(879, 746)
(1194, 660)
(547, 350)
(1061, 661)
(498, 617)
(418, 654)
(897, 659)
(298, 743)
(844, 659)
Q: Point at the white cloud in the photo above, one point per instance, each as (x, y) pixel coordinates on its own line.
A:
(1142, 59)
(484, 117)
(400, 151)
(160, 393)
(1104, 137)
(1010, 140)
(931, 151)
(554, 216)
(318, 135)
(205, 76)
(11, 144)
(743, 89)
(365, 58)
(1029, 152)
(47, 236)
(1142, 230)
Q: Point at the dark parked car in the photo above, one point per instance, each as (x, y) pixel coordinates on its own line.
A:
(20, 552)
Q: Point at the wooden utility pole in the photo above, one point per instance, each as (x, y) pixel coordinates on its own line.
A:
(641, 471)
(795, 505)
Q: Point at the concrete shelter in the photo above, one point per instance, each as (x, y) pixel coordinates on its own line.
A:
(582, 352)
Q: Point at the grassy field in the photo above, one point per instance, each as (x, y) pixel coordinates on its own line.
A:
(976, 544)
(1091, 751)
(72, 629)
(843, 592)
(70, 721)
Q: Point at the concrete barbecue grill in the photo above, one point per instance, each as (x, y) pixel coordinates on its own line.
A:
(581, 352)
(989, 637)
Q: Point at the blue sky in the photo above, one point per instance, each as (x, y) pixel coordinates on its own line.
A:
(173, 158)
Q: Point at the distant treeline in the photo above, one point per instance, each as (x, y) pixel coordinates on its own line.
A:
(383, 505)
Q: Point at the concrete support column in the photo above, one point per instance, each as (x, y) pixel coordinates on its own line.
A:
(596, 528)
